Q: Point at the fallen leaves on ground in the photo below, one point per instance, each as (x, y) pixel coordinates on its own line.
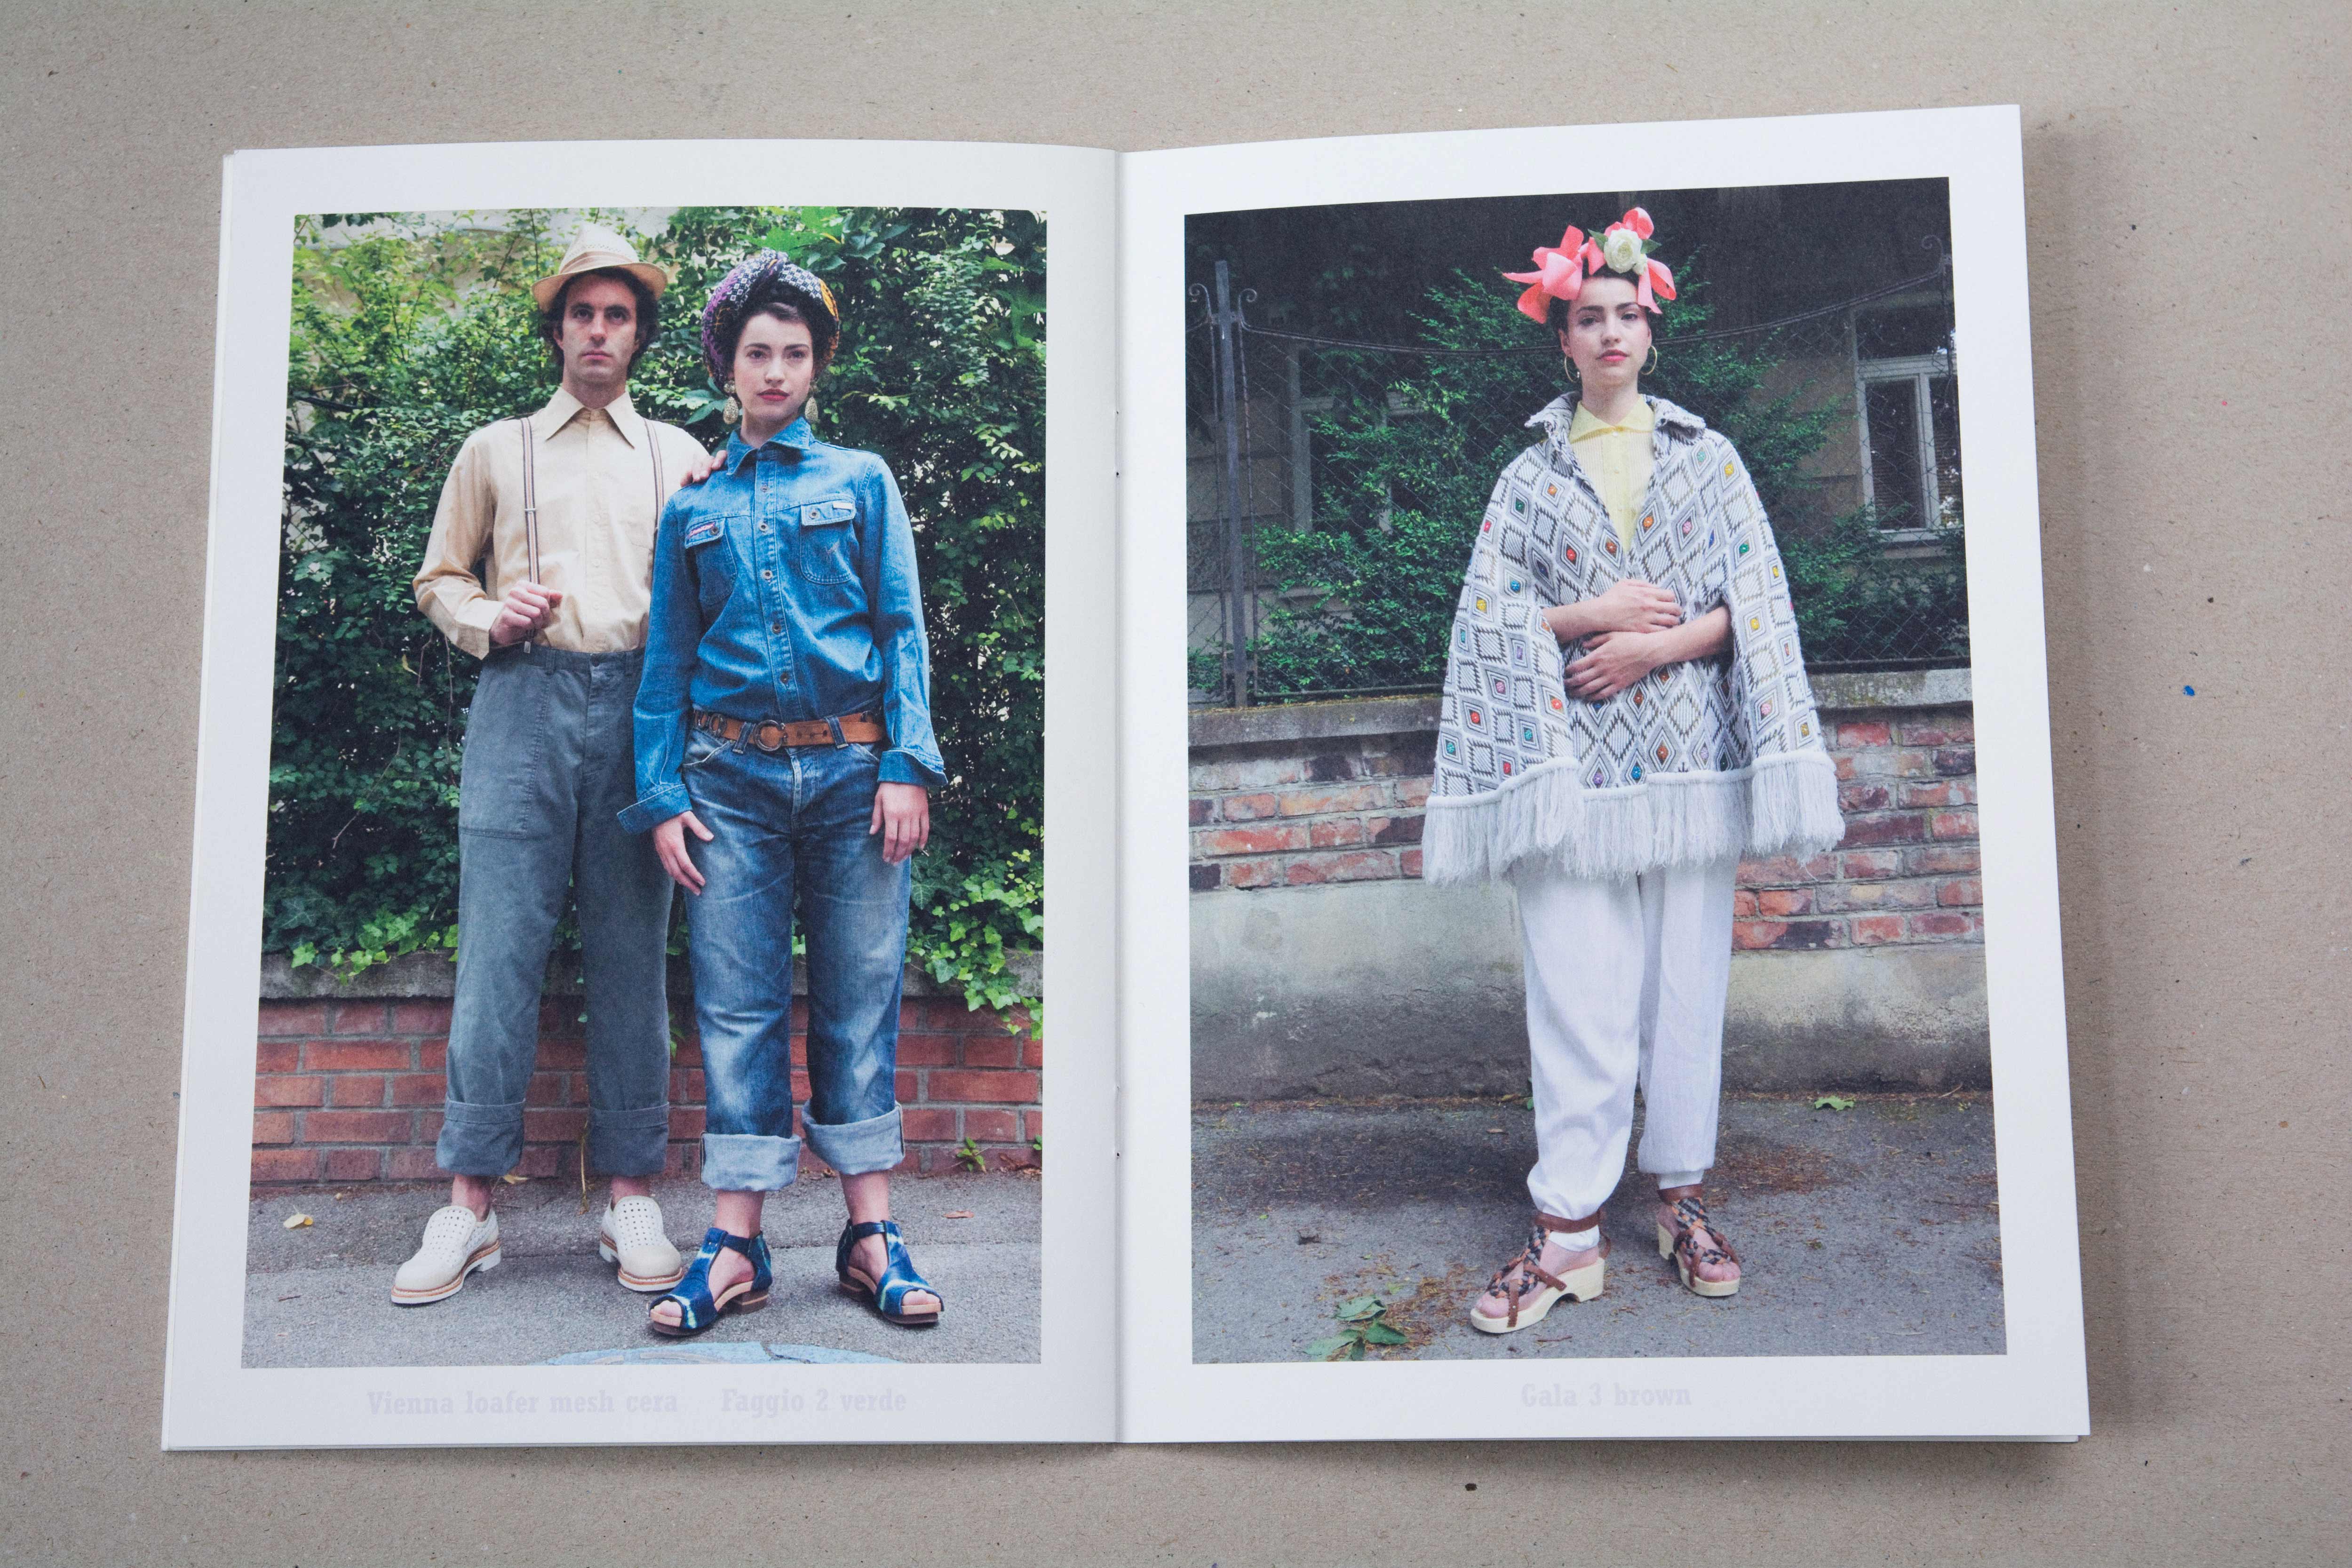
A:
(297, 1221)
(957, 1213)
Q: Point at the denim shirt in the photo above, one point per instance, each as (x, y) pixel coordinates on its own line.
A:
(784, 587)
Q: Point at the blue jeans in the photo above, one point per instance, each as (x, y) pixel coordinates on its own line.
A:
(790, 827)
(548, 762)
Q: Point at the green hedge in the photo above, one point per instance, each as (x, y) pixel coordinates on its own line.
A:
(412, 329)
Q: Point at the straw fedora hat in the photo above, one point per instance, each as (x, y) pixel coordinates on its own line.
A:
(595, 251)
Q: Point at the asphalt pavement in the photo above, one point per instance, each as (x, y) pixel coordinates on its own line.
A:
(319, 1295)
(1868, 1231)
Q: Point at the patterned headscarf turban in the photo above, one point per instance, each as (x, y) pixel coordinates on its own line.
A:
(767, 274)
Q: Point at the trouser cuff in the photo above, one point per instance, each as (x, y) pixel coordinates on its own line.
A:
(749, 1163)
(479, 1140)
(857, 1147)
(629, 1143)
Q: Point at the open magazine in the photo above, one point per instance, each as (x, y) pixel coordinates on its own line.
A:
(1439, 701)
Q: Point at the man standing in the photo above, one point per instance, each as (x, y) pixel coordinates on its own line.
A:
(541, 565)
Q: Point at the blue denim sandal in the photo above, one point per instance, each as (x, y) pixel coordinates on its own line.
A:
(697, 1310)
(886, 1295)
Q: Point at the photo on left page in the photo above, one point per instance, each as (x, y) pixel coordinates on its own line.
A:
(652, 907)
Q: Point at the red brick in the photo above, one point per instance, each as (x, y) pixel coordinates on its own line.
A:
(960, 1086)
(1857, 732)
(1942, 859)
(1408, 863)
(428, 1125)
(1870, 931)
(1754, 934)
(1952, 825)
(1887, 827)
(931, 1160)
(1394, 829)
(541, 1160)
(1878, 896)
(686, 1085)
(1867, 863)
(357, 1056)
(1412, 791)
(1335, 833)
(419, 1089)
(355, 1127)
(1252, 873)
(272, 1089)
(1779, 901)
(1951, 761)
(549, 1088)
(293, 1018)
(1318, 801)
(354, 1164)
(1864, 797)
(1207, 876)
(1363, 866)
(273, 1127)
(1254, 840)
(686, 1120)
(1200, 811)
(1928, 795)
(1743, 904)
(1780, 870)
(992, 1126)
(429, 1018)
(412, 1165)
(359, 1018)
(433, 1056)
(1941, 924)
(1967, 892)
(688, 1052)
(1937, 731)
(568, 1053)
(992, 1051)
(286, 1165)
(927, 1124)
(355, 1089)
(1016, 1019)
(1845, 769)
(1807, 935)
(276, 1056)
(906, 1086)
(1033, 1048)
(927, 1050)
(1032, 1124)
(1249, 807)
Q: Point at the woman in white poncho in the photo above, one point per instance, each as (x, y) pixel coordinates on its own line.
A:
(1626, 715)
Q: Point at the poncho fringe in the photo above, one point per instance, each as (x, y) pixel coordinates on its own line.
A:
(1784, 803)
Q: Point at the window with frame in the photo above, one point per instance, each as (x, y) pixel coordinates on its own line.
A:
(1907, 415)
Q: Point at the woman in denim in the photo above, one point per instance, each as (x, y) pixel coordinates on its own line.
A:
(783, 755)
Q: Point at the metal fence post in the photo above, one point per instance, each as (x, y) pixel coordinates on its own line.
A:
(1227, 346)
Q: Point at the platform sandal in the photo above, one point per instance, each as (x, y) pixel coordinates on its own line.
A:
(1691, 1239)
(696, 1309)
(886, 1295)
(1530, 1290)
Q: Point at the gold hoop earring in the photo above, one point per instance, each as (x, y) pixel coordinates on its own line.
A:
(1653, 360)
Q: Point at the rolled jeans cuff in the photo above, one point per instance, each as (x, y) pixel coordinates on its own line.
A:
(480, 1139)
(748, 1162)
(629, 1143)
(857, 1147)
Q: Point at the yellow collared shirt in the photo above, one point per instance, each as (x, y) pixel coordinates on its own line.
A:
(1617, 458)
(598, 509)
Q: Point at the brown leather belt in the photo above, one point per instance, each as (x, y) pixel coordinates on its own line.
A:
(776, 734)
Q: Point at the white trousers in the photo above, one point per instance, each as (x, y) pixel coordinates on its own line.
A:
(1625, 985)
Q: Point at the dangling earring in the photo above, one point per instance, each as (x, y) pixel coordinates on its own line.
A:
(732, 412)
(1653, 360)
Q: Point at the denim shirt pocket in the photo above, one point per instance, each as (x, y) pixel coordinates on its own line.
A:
(710, 551)
(827, 552)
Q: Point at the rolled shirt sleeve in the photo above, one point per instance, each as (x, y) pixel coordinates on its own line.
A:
(446, 588)
(895, 603)
(665, 690)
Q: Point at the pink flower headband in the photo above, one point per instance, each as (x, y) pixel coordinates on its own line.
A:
(1624, 247)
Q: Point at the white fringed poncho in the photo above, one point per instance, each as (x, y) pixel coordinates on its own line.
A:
(1700, 761)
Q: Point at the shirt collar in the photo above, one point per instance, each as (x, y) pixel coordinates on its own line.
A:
(564, 407)
(1640, 422)
(796, 436)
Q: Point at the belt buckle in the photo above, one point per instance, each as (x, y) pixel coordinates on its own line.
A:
(769, 736)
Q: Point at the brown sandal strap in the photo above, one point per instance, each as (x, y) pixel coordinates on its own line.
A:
(1553, 1222)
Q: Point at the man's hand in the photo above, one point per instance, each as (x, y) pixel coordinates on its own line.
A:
(524, 612)
(902, 816)
(1612, 662)
(701, 469)
(669, 846)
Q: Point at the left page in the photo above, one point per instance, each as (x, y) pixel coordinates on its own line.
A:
(618, 990)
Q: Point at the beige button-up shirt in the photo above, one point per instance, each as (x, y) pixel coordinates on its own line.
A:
(599, 503)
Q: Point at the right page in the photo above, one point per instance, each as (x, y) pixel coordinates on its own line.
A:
(1589, 946)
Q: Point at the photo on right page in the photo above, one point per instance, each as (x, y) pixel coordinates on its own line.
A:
(1586, 915)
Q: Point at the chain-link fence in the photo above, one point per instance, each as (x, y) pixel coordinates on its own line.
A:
(1335, 487)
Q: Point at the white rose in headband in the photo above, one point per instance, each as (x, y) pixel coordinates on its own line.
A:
(1621, 248)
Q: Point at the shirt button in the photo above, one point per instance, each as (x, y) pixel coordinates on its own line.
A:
(767, 574)
(776, 626)
(763, 528)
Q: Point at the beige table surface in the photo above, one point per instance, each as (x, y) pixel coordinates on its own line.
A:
(2191, 382)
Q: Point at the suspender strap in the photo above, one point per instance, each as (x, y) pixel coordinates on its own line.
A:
(529, 499)
(661, 494)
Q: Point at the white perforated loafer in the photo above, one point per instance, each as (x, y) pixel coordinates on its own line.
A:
(456, 1244)
(631, 1236)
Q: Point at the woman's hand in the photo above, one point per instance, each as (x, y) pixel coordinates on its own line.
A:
(902, 816)
(1614, 662)
(1632, 605)
(669, 847)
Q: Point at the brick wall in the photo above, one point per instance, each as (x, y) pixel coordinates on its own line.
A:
(350, 1090)
(1322, 792)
